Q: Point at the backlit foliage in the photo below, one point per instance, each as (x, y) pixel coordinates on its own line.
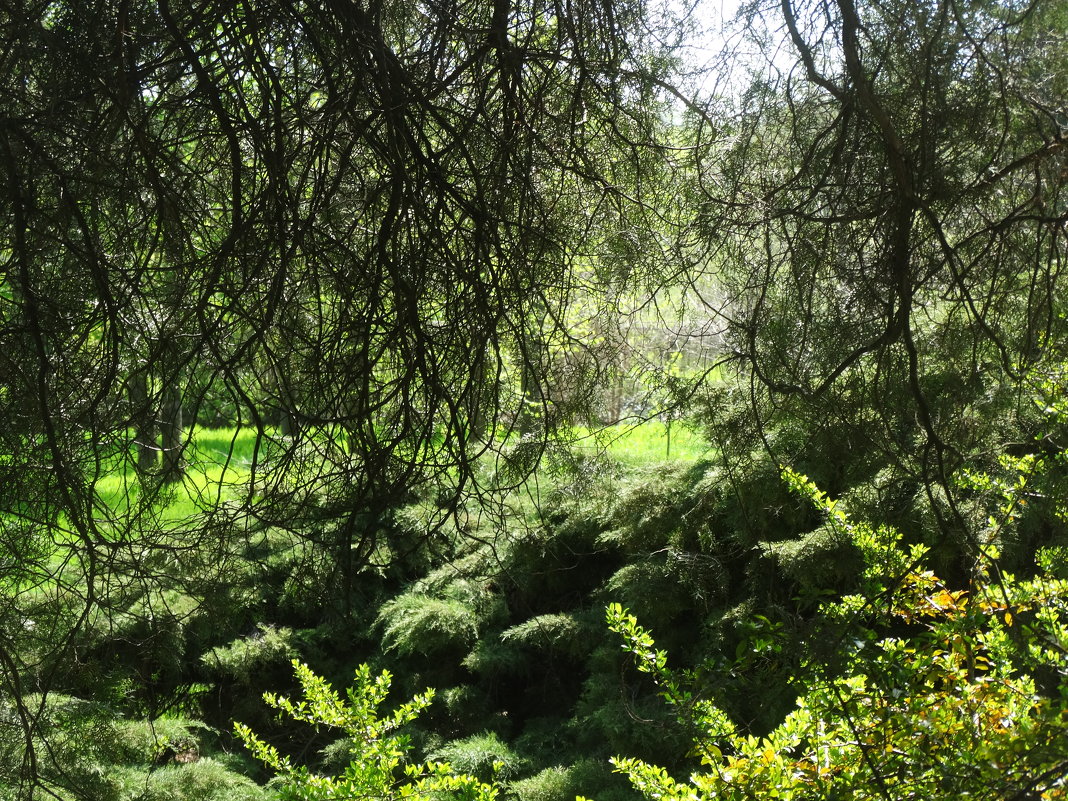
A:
(378, 768)
(932, 692)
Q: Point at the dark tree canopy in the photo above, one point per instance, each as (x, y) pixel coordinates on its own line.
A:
(349, 220)
(886, 207)
(391, 243)
(355, 227)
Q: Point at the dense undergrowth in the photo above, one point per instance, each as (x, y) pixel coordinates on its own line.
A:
(764, 593)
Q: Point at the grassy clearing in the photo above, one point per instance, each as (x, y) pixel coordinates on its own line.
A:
(218, 466)
(219, 462)
(646, 443)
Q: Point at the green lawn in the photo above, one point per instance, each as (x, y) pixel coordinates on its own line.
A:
(646, 443)
(217, 467)
(218, 464)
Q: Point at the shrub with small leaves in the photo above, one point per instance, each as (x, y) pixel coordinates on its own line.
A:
(934, 692)
(377, 769)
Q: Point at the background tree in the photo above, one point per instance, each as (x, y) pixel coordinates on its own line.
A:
(885, 205)
(348, 217)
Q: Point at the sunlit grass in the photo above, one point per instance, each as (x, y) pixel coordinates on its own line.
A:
(218, 464)
(646, 443)
(236, 446)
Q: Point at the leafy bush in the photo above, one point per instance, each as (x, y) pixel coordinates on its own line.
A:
(378, 750)
(930, 692)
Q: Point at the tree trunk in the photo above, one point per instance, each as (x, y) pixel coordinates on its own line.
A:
(476, 412)
(144, 426)
(531, 386)
(171, 430)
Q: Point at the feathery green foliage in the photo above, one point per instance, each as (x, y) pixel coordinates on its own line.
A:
(242, 659)
(421, 624)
